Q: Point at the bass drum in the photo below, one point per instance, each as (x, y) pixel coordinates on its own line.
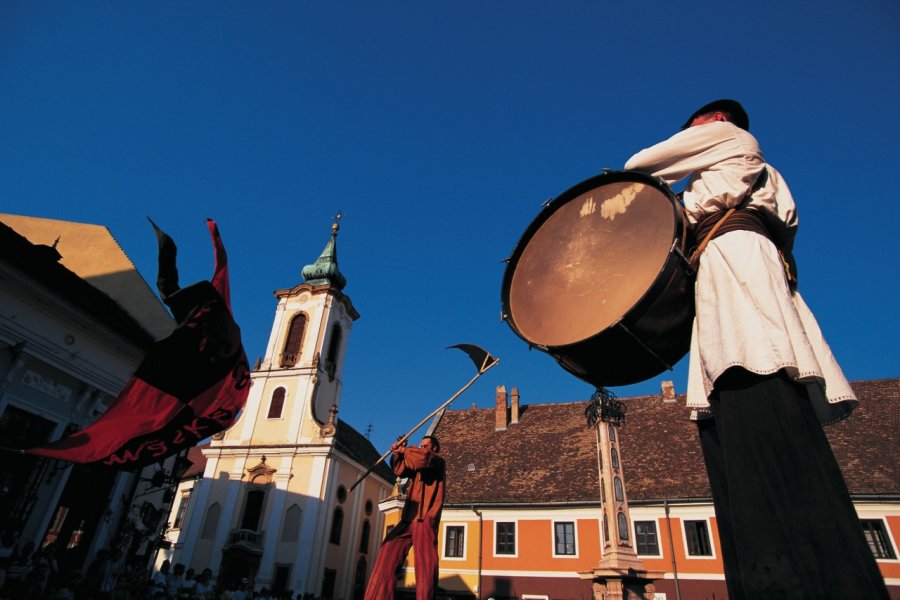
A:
(600, 282)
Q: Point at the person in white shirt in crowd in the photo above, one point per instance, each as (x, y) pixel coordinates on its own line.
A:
(175, 581)
(159, 580)
(205, 586)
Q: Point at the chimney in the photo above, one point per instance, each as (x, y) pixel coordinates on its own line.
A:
(500, 418)
(514, 406)
(668, 392)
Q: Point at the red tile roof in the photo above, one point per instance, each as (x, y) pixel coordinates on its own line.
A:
(867, 443)
(198, 461)
(358, 447)
(550, 455)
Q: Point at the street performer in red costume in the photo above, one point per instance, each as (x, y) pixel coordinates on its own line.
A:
(418, 524)
(761, 378)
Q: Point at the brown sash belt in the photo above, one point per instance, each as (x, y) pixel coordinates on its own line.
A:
(738, 219)
(742, 219)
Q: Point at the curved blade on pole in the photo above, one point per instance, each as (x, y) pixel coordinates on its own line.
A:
(483, 361)
(481, 357)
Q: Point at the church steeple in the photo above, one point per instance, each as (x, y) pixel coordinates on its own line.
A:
(284, 465)
(325, 270)
(301, 372)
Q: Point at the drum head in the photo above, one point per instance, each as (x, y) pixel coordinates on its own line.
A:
(589, 260)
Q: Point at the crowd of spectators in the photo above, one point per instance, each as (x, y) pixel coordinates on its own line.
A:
(30, 573)
(177, 583)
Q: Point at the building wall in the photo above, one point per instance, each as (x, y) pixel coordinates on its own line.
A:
(61, 366)
(889, 513)
(534, 570)
(309, 478)
(534, 561)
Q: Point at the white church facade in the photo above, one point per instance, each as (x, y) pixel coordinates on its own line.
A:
(272, 506)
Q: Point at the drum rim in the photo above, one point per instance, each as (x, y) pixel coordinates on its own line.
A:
(547, 211)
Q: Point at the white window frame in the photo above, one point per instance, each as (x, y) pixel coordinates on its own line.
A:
(684, 539)
(515, 552)
(465, 544)
(574, 523)
(890, 538)
(655, 522)
(184, 502)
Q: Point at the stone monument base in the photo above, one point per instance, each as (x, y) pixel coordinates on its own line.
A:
(622, 583)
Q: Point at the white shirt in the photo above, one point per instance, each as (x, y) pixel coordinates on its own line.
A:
(746, 315)
(722, 163)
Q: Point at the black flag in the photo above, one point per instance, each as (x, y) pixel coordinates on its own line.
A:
(190, 385)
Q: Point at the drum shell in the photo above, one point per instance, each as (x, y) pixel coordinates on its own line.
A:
(653, 334)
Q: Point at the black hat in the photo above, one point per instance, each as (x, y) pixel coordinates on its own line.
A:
(732, 107)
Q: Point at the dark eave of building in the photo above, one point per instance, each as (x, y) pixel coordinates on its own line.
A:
(358, 447)
(40, 263)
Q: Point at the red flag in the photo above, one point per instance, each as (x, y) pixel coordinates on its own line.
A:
(190, 385)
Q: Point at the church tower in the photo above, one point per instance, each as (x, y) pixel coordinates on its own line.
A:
(298, 381)
(273, 505)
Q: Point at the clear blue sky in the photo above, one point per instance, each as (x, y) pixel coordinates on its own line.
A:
(438, 128)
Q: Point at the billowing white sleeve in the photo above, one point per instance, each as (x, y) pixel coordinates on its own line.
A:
(689, 151)
(722, 161)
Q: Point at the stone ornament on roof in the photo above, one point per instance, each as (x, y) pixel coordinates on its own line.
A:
(329, 428)
(262, 473)
(397, 492)
(605, 407)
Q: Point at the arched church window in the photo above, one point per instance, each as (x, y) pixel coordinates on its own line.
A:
(612, 432)
(337, 525)
(290, 532)
(334, 348)
(359, 584)
(253, 507)
(614, 454)
(277, 403)
(364, 538)
(291, 354)
(211, 523)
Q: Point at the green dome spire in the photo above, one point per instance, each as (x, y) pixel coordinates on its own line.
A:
(325, 270)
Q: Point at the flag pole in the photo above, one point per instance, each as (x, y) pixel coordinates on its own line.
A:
(487, 362)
